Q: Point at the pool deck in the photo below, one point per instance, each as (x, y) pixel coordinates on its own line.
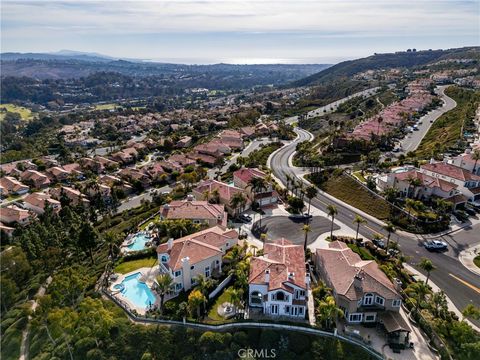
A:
(149, 275)
(124, 247)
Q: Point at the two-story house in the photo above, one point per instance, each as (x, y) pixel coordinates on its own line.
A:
(12, 214)
(266, 196)
(12, 186)
(360, 288)
(209, 189)
(278, 282)
(200, 212)
(37, 202)
(201, 253)
(467, 183)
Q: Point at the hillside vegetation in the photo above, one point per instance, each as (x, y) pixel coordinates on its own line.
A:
(446, 131)
(386, 61)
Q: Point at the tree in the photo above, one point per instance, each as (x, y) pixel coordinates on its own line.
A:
(390, 229)
(258, 184)
(327, 311)
(195, 300)
(296, 204)
(426, 265)
(306, 229)
(332, 211)
(390, 194)
(263, 239)
(111, 239)
(471, 311)
(204, 284)
(8, 293)
(413, 183)
(235, 295)
(87, 239)
(311, 192)
(358, 220)
(164, 285)
(476, 157)
(238, 202)
(418, 291)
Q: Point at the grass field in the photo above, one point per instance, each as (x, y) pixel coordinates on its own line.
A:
(110, 106)
(128, 266)
(446, 130)
(25, 114)
(476, 260)
(348, 190)
(213, 314)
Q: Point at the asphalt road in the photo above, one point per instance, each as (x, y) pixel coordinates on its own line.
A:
(291, 228)
(332, 106)
(413, 140)
(461, 285)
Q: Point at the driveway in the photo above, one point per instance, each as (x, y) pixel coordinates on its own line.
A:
(277, 227)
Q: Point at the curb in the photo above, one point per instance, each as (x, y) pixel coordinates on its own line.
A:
(466, 258)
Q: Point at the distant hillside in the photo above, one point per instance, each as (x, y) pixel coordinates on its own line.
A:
(385, 61)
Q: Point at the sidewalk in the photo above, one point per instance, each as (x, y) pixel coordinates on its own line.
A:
(466, 258)
(435, 288)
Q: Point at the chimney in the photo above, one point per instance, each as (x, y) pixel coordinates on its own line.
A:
(169, 244)
(187, 280)
(190, 197)
(432, 160)
(267, 276)
(291, 276)
(397, 284)
(357, 281)
(166, 206)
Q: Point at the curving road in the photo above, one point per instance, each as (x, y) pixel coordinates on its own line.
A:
(461, 285)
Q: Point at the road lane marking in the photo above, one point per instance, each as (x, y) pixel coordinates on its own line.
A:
(473, 287)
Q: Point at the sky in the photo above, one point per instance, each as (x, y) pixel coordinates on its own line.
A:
(245, 32)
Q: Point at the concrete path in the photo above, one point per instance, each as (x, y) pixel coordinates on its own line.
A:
(466, 257)
(451, 306)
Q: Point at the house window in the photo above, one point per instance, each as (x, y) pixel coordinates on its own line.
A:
(369, 318)
(274, 309)
(178, 273)
(178, 287)
(396, 303)
(192, 267)
(228, 244)
(300, 310)
(217, 262)
(256, 298)
(287, 309)
(355, 317)
(164, 258)
(279, 296)
(207, 271)
(196, 221)
(368, 299)
(379, 300)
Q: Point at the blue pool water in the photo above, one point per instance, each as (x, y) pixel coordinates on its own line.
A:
(137, 292)
(139, 241)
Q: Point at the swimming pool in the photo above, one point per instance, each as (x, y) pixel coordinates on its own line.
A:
(137, 292)
(139, 241)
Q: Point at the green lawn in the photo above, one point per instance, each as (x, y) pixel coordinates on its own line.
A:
(348, 190)
(213, 314)
(25, 114)
(133, 265)
(476, 260)
(110, 106)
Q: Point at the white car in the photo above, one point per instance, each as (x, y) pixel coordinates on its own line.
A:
(435, 245)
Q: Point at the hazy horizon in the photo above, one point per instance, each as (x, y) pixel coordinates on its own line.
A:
(241, 32)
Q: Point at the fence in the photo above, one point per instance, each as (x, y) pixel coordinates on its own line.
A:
(242, 324)
(220, 287)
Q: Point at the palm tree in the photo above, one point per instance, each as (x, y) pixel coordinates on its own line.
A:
(311, 192)
(419, 291)
(390, 194)
(358, 220)
(327, 311)
(426, 265)
(476, 157)
(254, 247)
(332, 211)
(235, 295)
(289, 180)
(390, 229)
(379, 121)
(111, 239)
(257, 184)
(237, 202)
(195, 300)
(410, 206)
(306, 229)
(164, 285)
(263, 239)
(206, 195)
(204, 284)
(414, 183)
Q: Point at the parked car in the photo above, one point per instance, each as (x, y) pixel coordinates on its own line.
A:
(378, 242)
(245, 217)
(307, 215)
(435, 245)
(470, 211)
(461, 215)
(474, 203)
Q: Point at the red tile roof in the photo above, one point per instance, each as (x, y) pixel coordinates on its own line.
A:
(194, 210)
(246, 174)
(341, 265)
(285, 263)
(450, 170)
